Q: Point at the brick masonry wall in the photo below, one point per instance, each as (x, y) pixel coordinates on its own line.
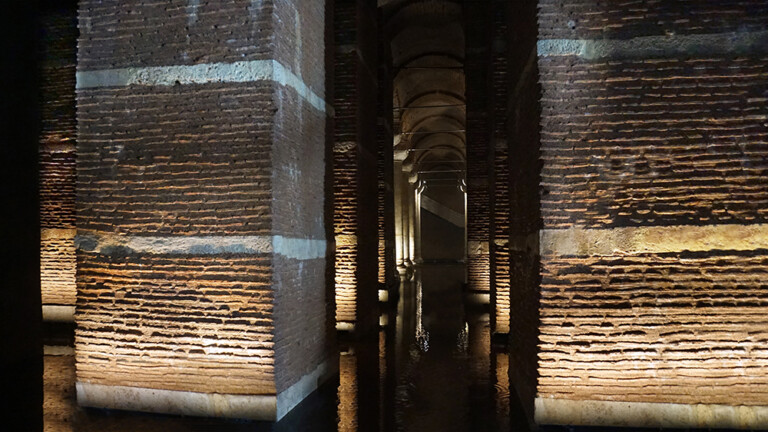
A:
(136, 33)
(345, 150)
(355, 162)
(500, 282)
(302, 328)
(592, 19)
(219, 180)
(57, 155)
(524, 208)
(385, 166)
(158, 321)
(478, 142)
(667, 327)
(681, 146)
(672, 133)
(196, 187)
(499, 187)
(132, 182)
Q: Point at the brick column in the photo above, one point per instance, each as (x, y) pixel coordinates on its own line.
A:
(499, 184)
(655, 211)
(57, 161)
(524, 208)
(201, 237)
(355, 156)
(478, 133)
(385, 166)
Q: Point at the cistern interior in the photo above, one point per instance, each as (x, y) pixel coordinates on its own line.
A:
(392, 215)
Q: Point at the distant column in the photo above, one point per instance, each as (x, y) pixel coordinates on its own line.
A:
(478, 132)
(355, 164)
(385, 166)
(400, 228)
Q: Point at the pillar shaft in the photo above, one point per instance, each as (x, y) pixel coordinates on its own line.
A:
(355, 164)
(650, 224)
(524, 192)
(400, 227)
(417, 223)
(478, 133)
(500, 180)
(57, 161)
(201, 248)
(403, 204)
(385, 165)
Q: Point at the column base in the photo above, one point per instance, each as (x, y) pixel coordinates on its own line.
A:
(649, 415)
(58, 313)
(250, 407)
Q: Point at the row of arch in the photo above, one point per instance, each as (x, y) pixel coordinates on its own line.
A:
(427, 42)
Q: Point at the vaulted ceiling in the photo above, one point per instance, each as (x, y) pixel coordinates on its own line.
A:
(427, 43)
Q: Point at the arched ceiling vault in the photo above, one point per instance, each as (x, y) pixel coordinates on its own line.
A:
(427, 44)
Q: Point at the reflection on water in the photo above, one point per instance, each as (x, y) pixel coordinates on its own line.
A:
(435, 363)
(422, 336)
(500, 366)
(347, 394)
(431, 368)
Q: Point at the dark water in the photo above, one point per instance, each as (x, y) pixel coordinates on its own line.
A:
(436, 370)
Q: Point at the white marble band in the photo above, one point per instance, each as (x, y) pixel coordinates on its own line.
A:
(657, 46)
(653, 239)
(295, 248)
(237, 72)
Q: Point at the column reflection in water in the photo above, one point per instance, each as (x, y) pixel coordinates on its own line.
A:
(422, 336)
(347, 393)
(359, 395)
(500, 366)
(480, 366)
